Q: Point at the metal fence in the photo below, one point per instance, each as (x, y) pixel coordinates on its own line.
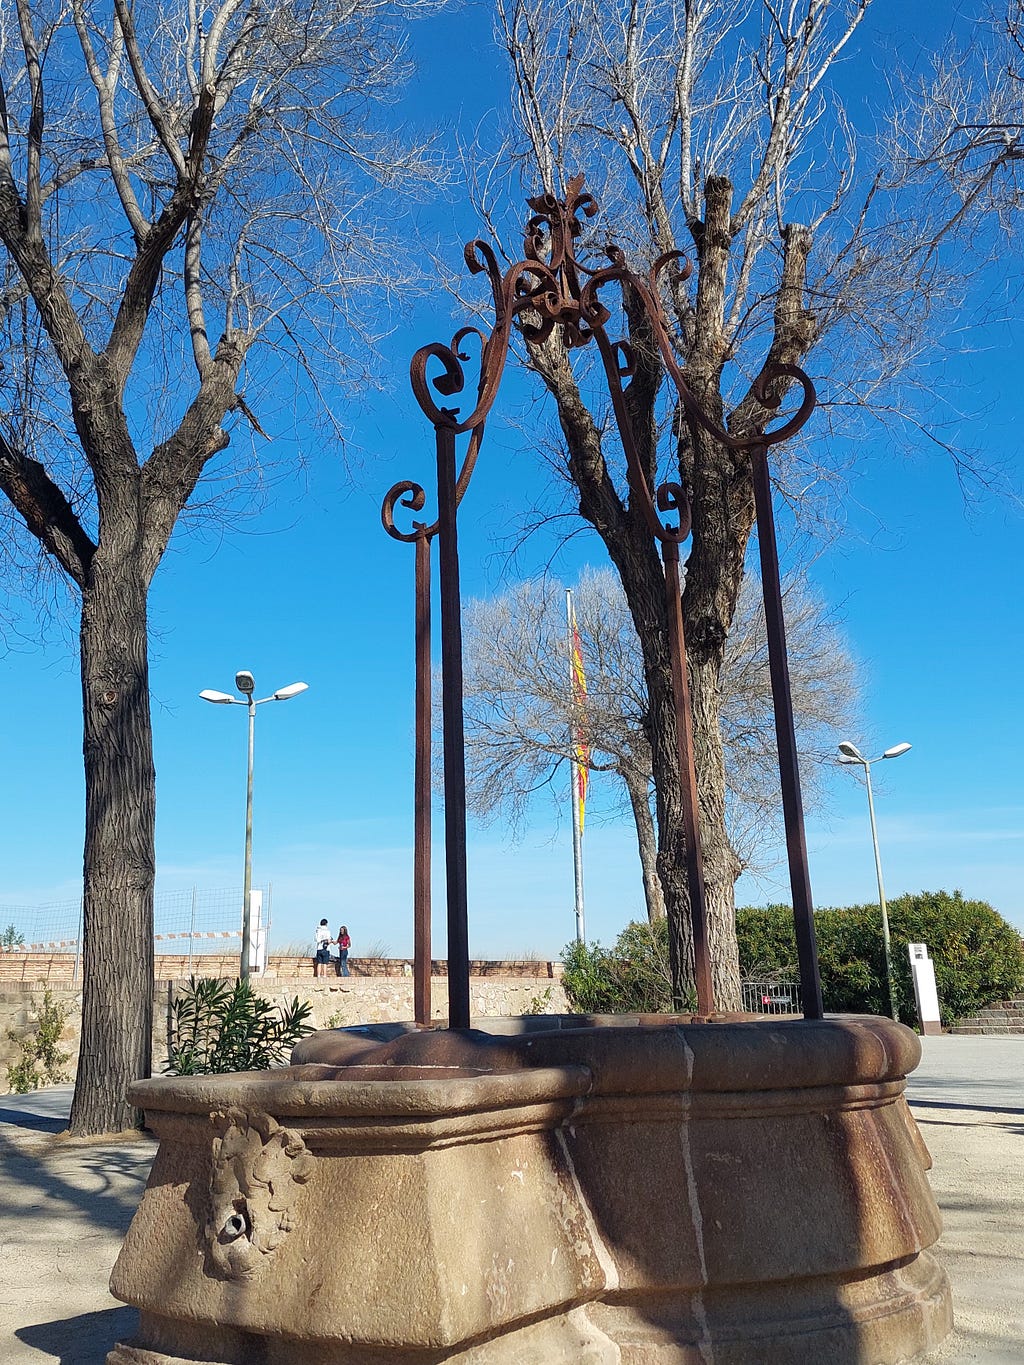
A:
(191, 922)
(197, 921)
(771, 997)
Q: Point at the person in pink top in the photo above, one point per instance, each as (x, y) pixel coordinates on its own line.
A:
(344, 943)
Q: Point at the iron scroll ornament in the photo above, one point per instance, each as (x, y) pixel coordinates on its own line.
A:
(407, 493)
(562, 291)
(551, 288)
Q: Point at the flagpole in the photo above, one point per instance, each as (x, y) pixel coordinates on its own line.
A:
(574, 794)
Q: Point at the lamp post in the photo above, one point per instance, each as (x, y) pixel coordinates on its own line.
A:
(246, 683)
(849, 753)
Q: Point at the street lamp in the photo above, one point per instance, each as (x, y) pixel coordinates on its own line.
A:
(246, 683)
(849, 753)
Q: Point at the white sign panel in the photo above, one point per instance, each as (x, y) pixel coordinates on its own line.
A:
(923, 971)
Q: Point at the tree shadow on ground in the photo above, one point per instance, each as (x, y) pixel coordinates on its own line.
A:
(114, 1180)
(40, 1123)
(926, 1115)
(82, 1340)
(1017, 1111)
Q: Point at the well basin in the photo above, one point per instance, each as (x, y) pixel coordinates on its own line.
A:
(600, 1191)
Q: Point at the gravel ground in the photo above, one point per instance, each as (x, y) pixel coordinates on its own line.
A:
(64, 1209)
(65, 1205)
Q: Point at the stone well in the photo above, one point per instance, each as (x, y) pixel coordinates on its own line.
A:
(551, 1189)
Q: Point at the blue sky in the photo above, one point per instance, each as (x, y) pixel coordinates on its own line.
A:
(310, 588)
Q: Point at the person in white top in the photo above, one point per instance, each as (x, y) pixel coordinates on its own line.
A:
(323, 940)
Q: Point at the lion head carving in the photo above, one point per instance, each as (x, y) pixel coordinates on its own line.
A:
(258, 1168)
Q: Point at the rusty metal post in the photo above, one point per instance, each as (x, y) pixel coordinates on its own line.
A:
(688, 781)
(421, 781)
(453, 729)
(789, 768)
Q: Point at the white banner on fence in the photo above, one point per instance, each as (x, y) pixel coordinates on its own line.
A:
(209, 933)
(45, 947)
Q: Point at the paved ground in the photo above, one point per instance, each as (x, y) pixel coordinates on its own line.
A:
(968, 1099)
(64, 1207)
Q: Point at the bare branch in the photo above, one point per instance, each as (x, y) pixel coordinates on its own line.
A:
(34, 140)
(788, 94)
(172, 471)
(46, 511)
(793, 332)
(158, 116)
(520, 710)
(192, 280)
(106, 85)
(958, 140)
(137, 296)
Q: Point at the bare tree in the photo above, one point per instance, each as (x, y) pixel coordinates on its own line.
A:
(186, 208)
(960, 135)
(711, 129)
(700, 126)
(519, 705)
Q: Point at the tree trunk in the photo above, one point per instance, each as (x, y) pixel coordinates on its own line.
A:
(643, 581)
(117, 1005)
(721, 866)
(723, 515)
(635, 555)
(637, 784)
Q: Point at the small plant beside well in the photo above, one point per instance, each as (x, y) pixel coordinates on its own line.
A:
(221, 1026)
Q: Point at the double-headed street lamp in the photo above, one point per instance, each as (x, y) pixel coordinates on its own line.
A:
(246, 683)
(849, 753)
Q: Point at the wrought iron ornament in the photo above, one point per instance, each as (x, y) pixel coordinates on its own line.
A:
(551, 288)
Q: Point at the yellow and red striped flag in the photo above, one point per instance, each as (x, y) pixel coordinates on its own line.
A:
(581, 749)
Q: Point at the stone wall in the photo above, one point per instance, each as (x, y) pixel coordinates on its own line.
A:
(374, 1000)
(56, 968)
(1006, 1017)
(336, 1001)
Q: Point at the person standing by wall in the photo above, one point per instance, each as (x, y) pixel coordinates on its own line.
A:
(322, 938)
(344, 943)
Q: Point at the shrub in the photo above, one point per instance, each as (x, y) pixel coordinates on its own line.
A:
(586, 978)
(541, 1003)
(634, 977)
(40, 1048)
(767, 942)
(217, 1026)
(978, 956)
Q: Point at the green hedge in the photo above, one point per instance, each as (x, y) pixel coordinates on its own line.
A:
(978, 956)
